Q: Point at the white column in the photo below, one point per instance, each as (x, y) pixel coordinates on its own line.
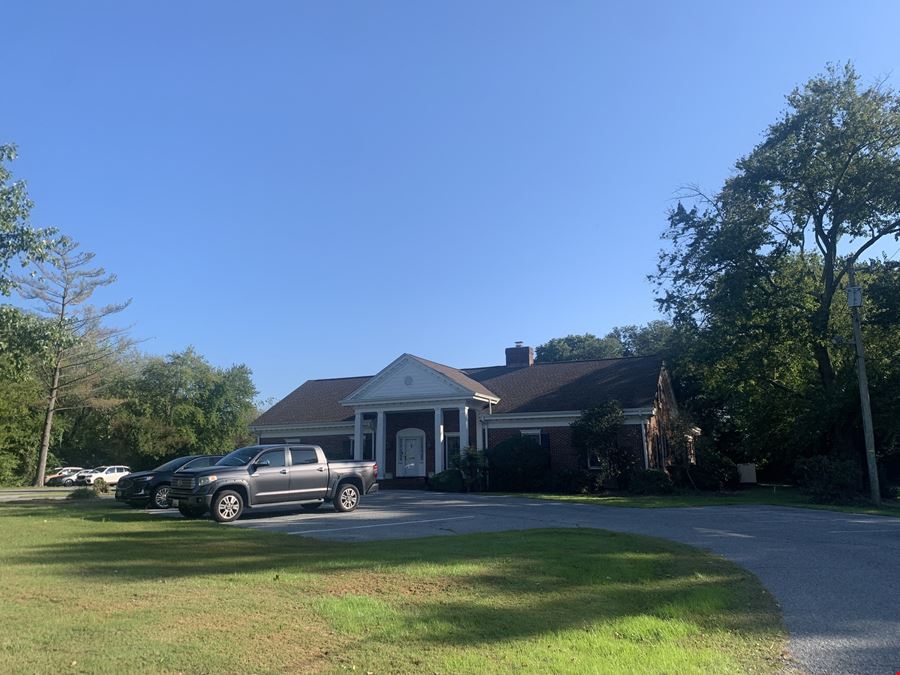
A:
(358, 436)
(380, 431)
(438, 440)
(479, 434)
(463, 427)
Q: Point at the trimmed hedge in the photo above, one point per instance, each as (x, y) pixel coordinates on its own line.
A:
(828, 480)
(649, 482)
(713, 472)
(450, 480)
(518, 464)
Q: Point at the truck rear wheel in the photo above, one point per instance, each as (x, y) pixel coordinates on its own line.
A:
(227, 506)
(347, 498)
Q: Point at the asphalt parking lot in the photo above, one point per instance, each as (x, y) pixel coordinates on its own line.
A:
(835, 574)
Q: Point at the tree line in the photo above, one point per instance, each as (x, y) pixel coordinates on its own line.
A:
(76, 389)
(752, 282)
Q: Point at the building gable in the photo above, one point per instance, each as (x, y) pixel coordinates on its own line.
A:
(407, 378)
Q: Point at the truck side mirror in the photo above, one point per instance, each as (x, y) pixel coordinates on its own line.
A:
(262, 462)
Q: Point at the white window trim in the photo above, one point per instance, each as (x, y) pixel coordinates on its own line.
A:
(532, 433)
(445, 446)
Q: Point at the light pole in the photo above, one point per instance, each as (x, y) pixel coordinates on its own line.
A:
(854, 301)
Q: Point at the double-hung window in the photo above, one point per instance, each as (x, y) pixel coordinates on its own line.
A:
(533, 434)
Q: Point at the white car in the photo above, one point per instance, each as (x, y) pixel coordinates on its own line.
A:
(79, 477)
(108, 474)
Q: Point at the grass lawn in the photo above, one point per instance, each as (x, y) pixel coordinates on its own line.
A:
(94, 587)
(780, 495)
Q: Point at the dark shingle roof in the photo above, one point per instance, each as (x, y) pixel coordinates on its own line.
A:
(456, 375)
(550, 387)
(314, 401)
(572, 385)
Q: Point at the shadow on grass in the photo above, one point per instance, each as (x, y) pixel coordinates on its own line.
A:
(497, 586)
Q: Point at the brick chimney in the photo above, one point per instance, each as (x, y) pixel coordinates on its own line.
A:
(519, 356)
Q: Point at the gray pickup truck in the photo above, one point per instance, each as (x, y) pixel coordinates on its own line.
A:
(264, 475)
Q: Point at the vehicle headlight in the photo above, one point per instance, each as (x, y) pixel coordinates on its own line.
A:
(205, 480)
(143, 478)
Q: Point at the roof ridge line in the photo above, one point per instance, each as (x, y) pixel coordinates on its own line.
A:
(555, 363)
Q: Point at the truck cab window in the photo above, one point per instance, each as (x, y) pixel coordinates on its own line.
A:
(303, 456)
(275, 457)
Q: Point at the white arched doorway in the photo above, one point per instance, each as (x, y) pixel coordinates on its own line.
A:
(410, 453)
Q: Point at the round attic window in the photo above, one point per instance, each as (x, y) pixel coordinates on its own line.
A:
(408, 381)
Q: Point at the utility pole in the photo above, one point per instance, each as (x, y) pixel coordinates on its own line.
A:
(854, 301)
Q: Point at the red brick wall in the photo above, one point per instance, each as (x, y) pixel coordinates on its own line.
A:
(451, 421)
(563, 455)
(451, 424)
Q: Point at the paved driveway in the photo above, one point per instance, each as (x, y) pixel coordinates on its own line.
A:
(836, 575)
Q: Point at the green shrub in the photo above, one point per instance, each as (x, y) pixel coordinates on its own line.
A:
(888, 491)
(100, 486)
(518, 464)
(472, 465)
(712, 471)
(649, 482)
(450, 480)
(828, 480)
(596, 434)
(82, 493)
(576, 482)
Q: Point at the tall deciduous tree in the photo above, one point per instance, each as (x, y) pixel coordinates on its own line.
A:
(826, 180)
(181, 404)
(17, 238)
(578, 347)
(82, 347)
(656, 337)
(753, 273)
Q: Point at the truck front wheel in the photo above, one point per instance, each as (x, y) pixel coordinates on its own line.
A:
(347, 498)
(227, 506)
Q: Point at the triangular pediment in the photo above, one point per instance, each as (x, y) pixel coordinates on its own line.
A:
(408, 378)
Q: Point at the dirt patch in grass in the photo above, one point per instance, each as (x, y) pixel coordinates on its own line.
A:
(394, 585)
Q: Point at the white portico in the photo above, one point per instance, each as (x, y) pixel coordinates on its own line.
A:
(400, 399)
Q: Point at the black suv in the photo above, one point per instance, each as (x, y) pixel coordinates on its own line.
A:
(152, 487)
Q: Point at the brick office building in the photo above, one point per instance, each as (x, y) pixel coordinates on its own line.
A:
(414, 414)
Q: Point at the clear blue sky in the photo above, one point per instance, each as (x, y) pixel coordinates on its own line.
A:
(313, 188)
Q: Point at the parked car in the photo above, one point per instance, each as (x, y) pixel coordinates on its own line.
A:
(79, 477)
(152, 487)
(65, 476)
(108, 474)
(263, 475)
